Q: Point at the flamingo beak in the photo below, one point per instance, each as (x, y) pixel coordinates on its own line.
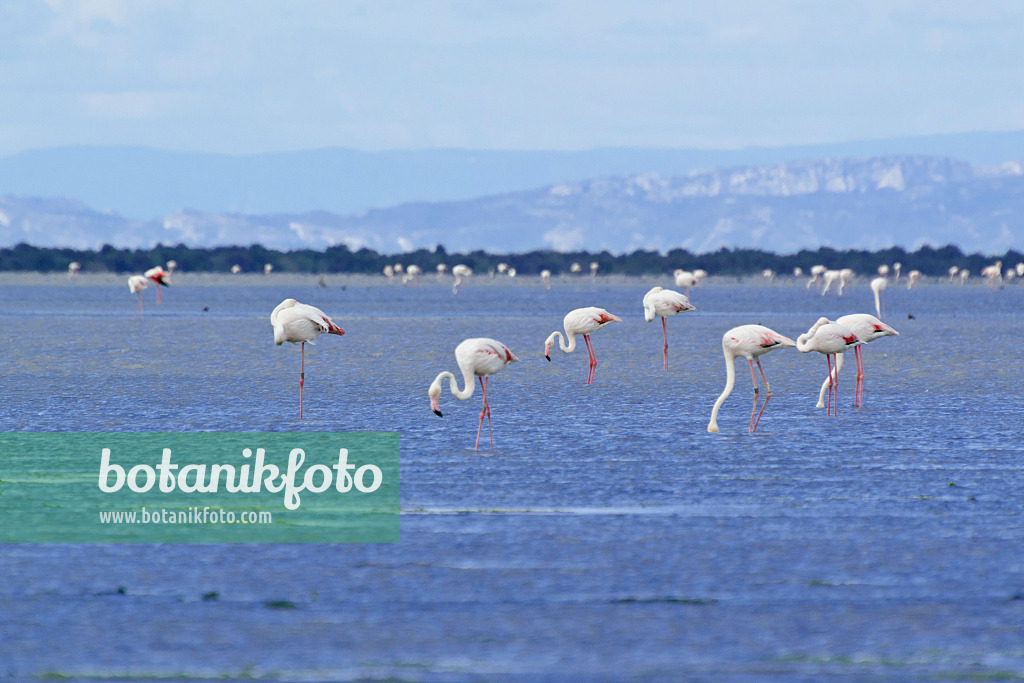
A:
(434, 405)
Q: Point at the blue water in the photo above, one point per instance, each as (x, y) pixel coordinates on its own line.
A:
(607, 536)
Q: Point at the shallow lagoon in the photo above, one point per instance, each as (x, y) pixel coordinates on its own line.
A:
(607, 535)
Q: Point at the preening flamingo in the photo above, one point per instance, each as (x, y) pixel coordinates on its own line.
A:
(828, 338)
(137, 283)
(868, 328)
(581, 321)
(300, 323)
(158, 276)
(479, 357)
(665, 302)
(750, 342)
(878, 286)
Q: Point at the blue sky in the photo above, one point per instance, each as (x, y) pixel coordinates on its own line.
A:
(242, 77)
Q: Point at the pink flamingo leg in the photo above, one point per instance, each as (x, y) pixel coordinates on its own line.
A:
(302, 377)
(141, 311)
(664, 327)
(753, 409)
(859, 391)
(831, 384)
(593, 359)
(767, 392)
(485, 409)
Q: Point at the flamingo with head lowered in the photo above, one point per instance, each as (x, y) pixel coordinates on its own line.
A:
(868, 328)
(750, 342)
(479, 357)
(828, 338)
(300, 323)
(665, 302)
(583, 321)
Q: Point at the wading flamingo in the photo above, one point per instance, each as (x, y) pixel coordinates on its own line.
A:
(545, 277)
(828, 338)
(665, 302)
(478, 357)
(461, 272)
(684, 279)
(137, 283)
(868, 328)
(816, 273)
(750, 342)
(581, 321)
(158, 276)
(300, 323)
(878, 286)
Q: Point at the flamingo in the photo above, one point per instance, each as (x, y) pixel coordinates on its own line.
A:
(581, 321)
(699, 275)
(953, 270)
(461, 272)
(411, 273)
(798, 272)
(300, 323)
(236, 269)
(594, 265)
(830, 277)
(389, 272)
(665, 302)
(868, 328)
(137, 283)
(575, 268)
(480, 357)
(878, 286)
(896, 267)
(172, 265)
(816, 273)
(845, 275)
(545, 277)
(73, 268)
(912, 278)
(828, 338)
(684, 279)
(750, 342)
(441, 269)
(158, 276)
(268, 268)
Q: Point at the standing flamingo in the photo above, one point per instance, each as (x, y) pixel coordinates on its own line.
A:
(461, 272)
(300, 323)
(137, 283)
(158, 276)
(750, 342)
(878, 286)
(480, 357)
(816, 273)
(545, 277)
(868, 328)
(828, 338)
(665, 302)
(581, 321)
(684, 279)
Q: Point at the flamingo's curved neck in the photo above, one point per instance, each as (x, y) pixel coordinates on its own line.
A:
(566, 348)
(467, 380)
(801, 341)
(730, 382)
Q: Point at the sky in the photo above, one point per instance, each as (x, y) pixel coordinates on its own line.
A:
(257, 76)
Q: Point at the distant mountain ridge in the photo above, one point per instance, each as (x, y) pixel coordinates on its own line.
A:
(782, 207)
(148, 184)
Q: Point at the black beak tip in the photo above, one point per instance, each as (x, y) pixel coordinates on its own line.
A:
(438, 413)
(549, 358)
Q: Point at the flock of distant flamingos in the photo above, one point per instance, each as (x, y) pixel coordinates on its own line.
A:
(479, 358)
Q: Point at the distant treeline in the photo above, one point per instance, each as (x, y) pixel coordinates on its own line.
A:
(340, 259)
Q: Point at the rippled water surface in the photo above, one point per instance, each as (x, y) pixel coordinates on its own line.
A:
(608, 535)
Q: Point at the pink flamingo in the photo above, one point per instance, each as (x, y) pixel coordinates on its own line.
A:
(158, 276)
(137, 283)
(299, 323)
(750, 342)
(665, 302)
(480, 357)
(868, 328)
(828, 338)
(583, 321)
